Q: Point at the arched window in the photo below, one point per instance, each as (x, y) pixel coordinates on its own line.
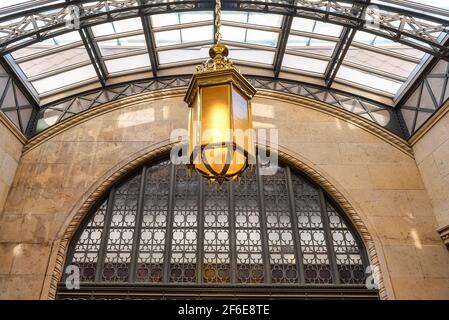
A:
(161, 230)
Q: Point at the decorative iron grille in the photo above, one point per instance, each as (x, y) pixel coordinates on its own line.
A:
(165, 227)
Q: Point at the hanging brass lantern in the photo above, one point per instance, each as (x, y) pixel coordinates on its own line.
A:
(220, 125)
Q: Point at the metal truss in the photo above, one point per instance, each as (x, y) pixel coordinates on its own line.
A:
(405, 26)
(148, 33)
(343, 46)
(283, 39)
(94, 55)
(373, 111)
(70, 106)
(14, 100)
(409, 26)
(431, 93)
(381, 114)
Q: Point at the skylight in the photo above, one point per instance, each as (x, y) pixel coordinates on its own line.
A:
(127, 43)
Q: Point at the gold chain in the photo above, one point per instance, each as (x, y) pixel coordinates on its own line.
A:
(217, 21)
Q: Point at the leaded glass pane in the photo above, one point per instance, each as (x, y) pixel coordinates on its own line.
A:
(121, 232)
(185, 223)
(280, 234)
(154, 224)
(311, 232)
(217, 267)
(85, 255)
(248, 234)
(347, 252)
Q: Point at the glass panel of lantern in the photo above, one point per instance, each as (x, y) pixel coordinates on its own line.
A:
(220, 137)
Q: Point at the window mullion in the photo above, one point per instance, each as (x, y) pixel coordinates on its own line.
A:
(137, 227)
(200, 235)
(328, 237)
(232, 234)
(104, 235)
(294, 218)
(169, 227)
(263, 227)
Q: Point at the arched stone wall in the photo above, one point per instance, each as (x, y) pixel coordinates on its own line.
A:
(370, 172)
(78, 214)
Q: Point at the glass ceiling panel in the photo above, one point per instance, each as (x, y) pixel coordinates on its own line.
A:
(169, 19)
(196, 34)
(304, 64)
(62, 59)
(310, 45)
(435, 4)
(10, 3)
(317, 27)
(122, 45)
(63, 39)
(52, 43)
(7, 3)
(27, 51)
(237, 54)
(167, 38)
(365, 78)
(180, 36)
(383, 43)
(443, 4)
(249, 36)
(382, 62)
(262, 19)
(49, 44)
(128, 63)
(116, 27)
(184, 54)
(251, 55)
(64, 54)
(63, 79)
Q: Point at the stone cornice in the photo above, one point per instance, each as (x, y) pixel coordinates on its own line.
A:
(11, 127)
(331, 110)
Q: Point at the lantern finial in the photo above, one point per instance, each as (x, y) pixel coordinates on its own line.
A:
(218, 50)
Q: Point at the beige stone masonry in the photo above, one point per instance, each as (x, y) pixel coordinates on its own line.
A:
(11, 144)
(373, 171)
(431, 146)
